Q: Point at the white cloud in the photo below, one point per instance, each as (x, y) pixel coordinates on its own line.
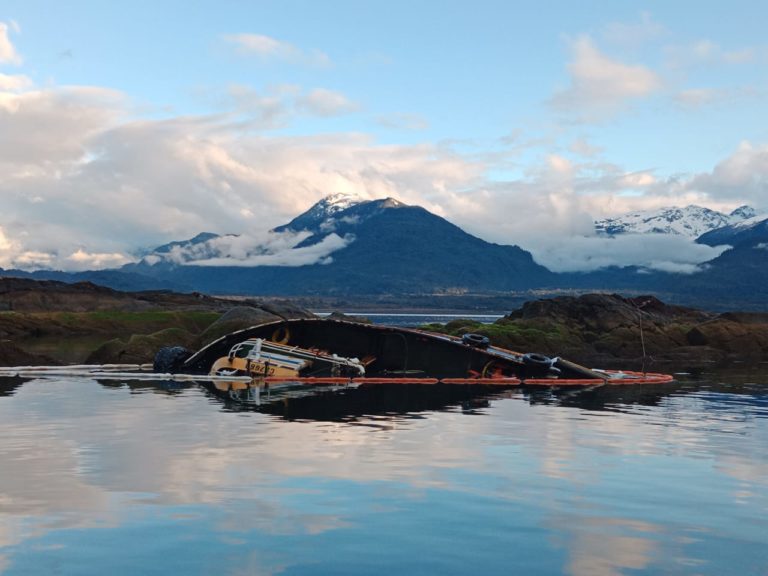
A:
(8, 250)
(8, 53)
(403, 121)
(654, 251)
(707, 53)
(583, 148)
(259, 44)
(279, 105)
(264, 110)
(15, 253)
(601, 85)
(84, 185)
(42, 131)
(742, 176)
(276, 249)
(90, 261)
(268, 48)
(697, 97)
(14, 82)
(552, 211)
(323, 102)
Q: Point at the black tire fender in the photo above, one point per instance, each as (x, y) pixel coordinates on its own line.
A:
(537, 360)
(170, 359)
(476, 340)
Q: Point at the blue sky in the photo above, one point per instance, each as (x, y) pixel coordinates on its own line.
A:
(127, 125)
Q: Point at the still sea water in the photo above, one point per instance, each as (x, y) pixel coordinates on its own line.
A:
(142, 477)
(415, 319)
(129, 477)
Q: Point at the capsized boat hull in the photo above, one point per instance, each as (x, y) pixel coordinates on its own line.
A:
(395, 352)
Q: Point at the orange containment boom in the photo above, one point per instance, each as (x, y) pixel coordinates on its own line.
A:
(611, 378)
(309, 380)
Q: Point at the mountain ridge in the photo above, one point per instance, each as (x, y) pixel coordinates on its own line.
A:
(384, 251)
(691, 221)
(354, 247)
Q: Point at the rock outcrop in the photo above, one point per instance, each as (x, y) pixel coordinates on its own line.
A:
(611, 331)
(100, 325)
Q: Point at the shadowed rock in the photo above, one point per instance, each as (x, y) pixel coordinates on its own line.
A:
(236, 318)
(612, 331)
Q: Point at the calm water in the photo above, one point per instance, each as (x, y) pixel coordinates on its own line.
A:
(157, 478)
(411, 319)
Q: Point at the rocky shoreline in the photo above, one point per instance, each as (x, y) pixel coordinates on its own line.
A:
(49, 322)
(611, 331)
(56, 323)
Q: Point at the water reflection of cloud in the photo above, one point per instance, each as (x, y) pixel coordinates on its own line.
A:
(607, 546)
(76, 451)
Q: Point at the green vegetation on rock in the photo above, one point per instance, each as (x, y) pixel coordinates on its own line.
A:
(612, 332)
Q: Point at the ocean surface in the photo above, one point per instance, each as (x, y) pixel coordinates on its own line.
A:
(415, 319)
(132, 477)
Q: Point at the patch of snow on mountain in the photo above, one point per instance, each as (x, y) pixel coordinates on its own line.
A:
(691, 221)
(742, 213)
(334, 203)
(749, 222)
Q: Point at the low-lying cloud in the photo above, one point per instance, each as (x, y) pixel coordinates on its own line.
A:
(662, 252)
(271, 249)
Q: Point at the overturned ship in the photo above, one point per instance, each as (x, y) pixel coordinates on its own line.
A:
(332, 351)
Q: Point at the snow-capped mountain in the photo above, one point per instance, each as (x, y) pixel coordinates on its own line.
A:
(691, 221)
(368, 247)
(322, 212)
(743, 213)
(340, 221)
(310, 238)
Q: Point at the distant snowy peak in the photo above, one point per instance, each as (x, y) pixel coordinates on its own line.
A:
(332, 205)
(691, 221)
(742, 213)
(322, 211)
(338, 211)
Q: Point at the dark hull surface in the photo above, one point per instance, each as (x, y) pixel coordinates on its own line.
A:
(387, 351)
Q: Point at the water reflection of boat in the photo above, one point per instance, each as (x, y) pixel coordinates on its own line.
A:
(9, 384)
(294, 401)
(324, 351)
(245, 393)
